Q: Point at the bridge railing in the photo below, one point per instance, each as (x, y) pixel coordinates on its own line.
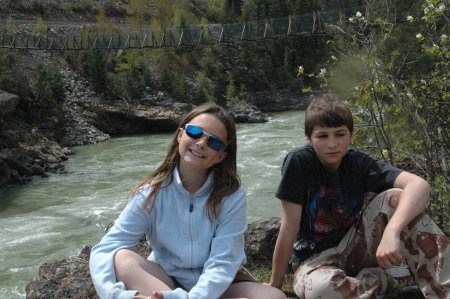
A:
(307, 24)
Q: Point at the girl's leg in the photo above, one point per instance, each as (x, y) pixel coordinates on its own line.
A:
(140, 274)
(247, 289)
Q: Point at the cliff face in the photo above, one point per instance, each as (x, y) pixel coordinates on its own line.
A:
(24, 151)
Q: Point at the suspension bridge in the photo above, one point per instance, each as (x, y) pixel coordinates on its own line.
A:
(275, 28)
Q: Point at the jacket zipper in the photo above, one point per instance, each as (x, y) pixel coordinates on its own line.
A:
(191, 204)
(190, 229)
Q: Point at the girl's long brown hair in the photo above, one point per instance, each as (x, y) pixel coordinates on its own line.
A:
(226, 180)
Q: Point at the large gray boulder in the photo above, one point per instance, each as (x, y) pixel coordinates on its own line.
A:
(8, 103)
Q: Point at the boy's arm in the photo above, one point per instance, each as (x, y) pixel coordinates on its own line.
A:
(412, 202)
(291, 214)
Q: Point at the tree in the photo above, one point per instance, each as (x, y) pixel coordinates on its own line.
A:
(48, 89)
(10, 26)
(233, 9)
(162, 13)
(231, 89)
(128, 81)
(139, 12)
(41, 28)
(395, 76)
(181, 88)
(95, 68)
(219, 87)
(12, 77)
(104, 24)
(202, 93)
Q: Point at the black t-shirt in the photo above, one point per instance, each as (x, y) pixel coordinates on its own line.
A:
(331, 201)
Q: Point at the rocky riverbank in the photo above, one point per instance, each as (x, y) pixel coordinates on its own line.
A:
(25, 150)
(69, 277)
(28, 149)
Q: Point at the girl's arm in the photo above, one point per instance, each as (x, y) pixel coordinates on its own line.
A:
(128, 228)
(412, 202)
(291, 214)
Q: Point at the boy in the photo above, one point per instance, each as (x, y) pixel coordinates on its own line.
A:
(337, 249)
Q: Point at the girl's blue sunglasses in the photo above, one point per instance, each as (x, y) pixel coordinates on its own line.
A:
(195, 132)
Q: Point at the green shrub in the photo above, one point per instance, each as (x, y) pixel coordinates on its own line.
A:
(12, 77)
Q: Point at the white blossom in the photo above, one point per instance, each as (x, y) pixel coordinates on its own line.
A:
(419, 35)
(350, 19)
(410, 18)
(358, 14)
(333, 57)
(423, 81)
(323, 71)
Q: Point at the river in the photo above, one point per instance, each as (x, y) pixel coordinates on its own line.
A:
(57, 216)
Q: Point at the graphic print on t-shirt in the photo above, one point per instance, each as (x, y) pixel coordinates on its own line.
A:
(328, 212)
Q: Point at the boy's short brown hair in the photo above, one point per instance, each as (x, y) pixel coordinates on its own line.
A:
(327, 110)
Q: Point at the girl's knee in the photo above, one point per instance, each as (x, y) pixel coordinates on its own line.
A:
(271, 292)
(124, 259)
(277, 293)
(247, 289)
(122, 255)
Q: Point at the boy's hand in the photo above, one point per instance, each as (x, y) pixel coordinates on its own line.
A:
(388, 252)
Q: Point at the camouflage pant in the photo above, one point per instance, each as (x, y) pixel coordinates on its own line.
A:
(350, 270)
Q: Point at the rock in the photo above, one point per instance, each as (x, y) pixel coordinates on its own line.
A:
(5, 173)
(20, 160)
(120, 117)
(65, 278)
(247, 114)
(279, 100)
(8, 103)
(70, 278)
(260, 239)
(19, 166)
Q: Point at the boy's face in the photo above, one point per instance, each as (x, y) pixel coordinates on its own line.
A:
(330, 144)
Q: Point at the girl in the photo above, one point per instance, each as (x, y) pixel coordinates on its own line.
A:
(193, 212)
